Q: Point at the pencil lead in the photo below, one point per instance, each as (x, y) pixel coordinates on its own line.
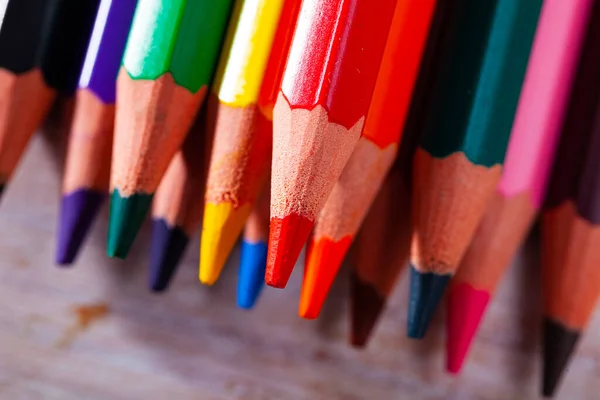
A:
(251, 278)
(168, 246)
(78, 211)
(126, 217)
(559, 342)
(221, 227)
(366, 305)
(286, 239)
(324, 259)
(426, 290)
(466, 306)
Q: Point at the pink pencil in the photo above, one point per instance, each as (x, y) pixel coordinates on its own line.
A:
(527, 167)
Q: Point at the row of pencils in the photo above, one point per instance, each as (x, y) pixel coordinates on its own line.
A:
(440, 129)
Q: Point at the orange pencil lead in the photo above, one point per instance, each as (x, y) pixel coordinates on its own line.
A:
(323, 262)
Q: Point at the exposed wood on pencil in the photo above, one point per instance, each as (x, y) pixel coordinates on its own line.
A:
(382, 249)
(154, 108)
(87, 172)
(177, 208)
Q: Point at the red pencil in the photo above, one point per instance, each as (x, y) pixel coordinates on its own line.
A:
(319, 115)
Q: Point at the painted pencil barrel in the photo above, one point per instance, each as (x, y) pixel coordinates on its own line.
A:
(373, 156)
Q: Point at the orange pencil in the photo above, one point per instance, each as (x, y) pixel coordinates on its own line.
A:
(373, 156)
(319, 115)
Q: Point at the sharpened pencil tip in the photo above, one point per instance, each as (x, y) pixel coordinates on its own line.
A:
(78, 210)
(324, 260)
(286, 239)
(126, 217)
(466, 306)
(366, 304)
(168, 246)
(426, 290)
(221, 227)
(251, 276)
(558, 345)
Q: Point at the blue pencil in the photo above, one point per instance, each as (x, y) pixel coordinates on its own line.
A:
(253, 260)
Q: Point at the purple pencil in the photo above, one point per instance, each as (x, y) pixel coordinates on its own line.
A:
(87, 169)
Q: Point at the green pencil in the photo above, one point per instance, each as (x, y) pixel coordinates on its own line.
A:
(169, 61)
(459, 161)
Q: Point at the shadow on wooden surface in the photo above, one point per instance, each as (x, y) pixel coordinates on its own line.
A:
(193, 342)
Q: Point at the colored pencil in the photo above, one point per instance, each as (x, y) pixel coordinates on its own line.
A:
(42, 45)
(87, 169)
(319, 115)
(526, 170)
(381, 251)
(369, 291)
(570, 222)
(253, 258)
(373, 156)
(177, 208)
(463, 146)
(240, 154)
(169, 61)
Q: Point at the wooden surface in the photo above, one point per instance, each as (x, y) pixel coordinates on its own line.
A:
(193, 343)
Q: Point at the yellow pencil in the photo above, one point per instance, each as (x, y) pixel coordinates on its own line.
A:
(241, 153)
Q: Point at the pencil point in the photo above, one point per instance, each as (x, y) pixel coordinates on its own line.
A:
(251, 276)
(366, 304)
(168, 246)
(558, 345)
(221, 227)
(324, 259)
(126, 217)
(466, 306)
(426, 290)
(286, 239)
(77, 213)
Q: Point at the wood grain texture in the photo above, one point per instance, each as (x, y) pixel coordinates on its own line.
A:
(193, 343)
